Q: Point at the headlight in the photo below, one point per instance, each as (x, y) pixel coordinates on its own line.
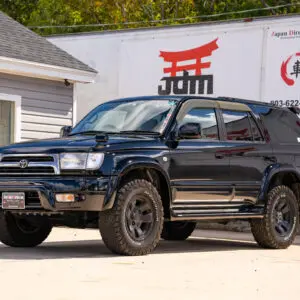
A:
(94, 161)
(81, 161)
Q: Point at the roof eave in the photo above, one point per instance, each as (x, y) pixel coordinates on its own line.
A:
(44, 71)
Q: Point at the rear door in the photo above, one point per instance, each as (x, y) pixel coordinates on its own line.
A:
(249, 153)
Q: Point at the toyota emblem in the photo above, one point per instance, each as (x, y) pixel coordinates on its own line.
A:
(23, 164)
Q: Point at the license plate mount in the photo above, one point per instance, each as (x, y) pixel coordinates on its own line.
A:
(13, 200)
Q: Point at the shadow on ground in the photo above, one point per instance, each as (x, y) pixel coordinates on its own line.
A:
(201, 241)
(94, 248)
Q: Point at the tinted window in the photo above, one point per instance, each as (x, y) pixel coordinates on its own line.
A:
(255, 130)
(207, 120)
(237, 126)
(283, 125)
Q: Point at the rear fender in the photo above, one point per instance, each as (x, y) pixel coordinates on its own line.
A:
(269, 174)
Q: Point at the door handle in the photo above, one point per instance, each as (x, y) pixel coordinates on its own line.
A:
(219, 155)
(270, 158)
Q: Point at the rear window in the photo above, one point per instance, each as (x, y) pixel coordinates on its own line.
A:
(240, 126)
(237, 126)
(257, 136)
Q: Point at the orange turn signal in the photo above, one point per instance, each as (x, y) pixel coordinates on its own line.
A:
(65, 198)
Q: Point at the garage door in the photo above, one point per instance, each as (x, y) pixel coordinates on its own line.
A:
(6, 122)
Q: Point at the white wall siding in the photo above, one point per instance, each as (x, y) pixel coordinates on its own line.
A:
(46, 105)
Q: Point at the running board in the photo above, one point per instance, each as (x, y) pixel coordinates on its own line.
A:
(187, 217)
(213, 212)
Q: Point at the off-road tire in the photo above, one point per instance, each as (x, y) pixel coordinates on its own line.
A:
(12, 235)
(177, 231)
(263, 229)
(112, 222)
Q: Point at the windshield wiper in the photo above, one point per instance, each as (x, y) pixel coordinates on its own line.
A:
(93, 132)
(140, 132)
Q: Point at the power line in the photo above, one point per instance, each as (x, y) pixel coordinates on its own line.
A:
(167, 20)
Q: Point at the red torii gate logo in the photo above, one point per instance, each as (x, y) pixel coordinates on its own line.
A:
(188, 81)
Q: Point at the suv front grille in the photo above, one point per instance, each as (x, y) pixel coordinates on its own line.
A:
(38, 170)
(28, 158)
(35, 164)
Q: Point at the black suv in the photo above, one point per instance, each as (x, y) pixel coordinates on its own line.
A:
(147, 168)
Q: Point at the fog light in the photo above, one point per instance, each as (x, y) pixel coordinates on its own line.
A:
(65, 198)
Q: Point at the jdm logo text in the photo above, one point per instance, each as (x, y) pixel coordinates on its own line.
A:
(185, 71)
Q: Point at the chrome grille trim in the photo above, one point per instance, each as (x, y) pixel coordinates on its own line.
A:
(54, 164)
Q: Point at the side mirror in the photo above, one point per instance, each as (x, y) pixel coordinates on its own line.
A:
(190, 131)
(65, 131)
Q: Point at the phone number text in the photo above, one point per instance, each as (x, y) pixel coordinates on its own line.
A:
(286, 102)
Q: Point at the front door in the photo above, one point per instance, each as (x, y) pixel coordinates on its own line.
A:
(199, 170)
(6, 122)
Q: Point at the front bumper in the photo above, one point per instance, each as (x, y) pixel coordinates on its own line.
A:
(92, 194)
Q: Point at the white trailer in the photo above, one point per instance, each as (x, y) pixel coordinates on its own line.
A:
(255, 59)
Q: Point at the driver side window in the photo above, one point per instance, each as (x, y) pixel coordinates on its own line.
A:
(206, 118)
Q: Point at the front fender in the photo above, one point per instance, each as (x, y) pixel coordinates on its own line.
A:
(269, 174)
(127, 165)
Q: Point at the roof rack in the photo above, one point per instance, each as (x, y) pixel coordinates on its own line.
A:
(294, 109)
(245, 101)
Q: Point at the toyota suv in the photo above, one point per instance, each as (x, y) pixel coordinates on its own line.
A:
(145, 168)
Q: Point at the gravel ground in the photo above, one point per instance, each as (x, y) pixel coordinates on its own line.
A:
(75, 264)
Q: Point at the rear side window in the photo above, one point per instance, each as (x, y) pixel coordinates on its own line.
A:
(283, 125)
(255, 130)
(207, 120)
(237, 126)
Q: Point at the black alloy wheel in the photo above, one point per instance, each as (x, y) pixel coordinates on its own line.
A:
(283, 218)
(139, 218)
(278, 228)
(134, 224)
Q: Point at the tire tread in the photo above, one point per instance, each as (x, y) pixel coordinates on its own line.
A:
(110, 227)
(261, 228)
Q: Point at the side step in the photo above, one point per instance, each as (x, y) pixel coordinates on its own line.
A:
(215, 211)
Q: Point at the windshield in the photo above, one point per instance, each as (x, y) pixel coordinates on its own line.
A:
(120, 116)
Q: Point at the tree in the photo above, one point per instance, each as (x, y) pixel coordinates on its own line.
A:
(19, 10)
(117, 14)
(205, 7)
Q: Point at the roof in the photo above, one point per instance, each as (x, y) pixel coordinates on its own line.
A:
(186, 97)
(18, 42)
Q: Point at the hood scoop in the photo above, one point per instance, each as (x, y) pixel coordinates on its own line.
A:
(100, 138)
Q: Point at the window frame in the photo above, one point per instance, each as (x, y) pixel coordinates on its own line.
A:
(224, 131)
(251, 115)
(199, 104)
(219, 107)
(17, 101)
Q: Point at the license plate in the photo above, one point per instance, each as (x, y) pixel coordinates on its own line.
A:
(13, 200)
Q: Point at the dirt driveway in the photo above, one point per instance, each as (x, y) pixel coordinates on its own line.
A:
(74, 264)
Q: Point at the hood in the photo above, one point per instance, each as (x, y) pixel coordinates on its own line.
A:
(79, 143)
